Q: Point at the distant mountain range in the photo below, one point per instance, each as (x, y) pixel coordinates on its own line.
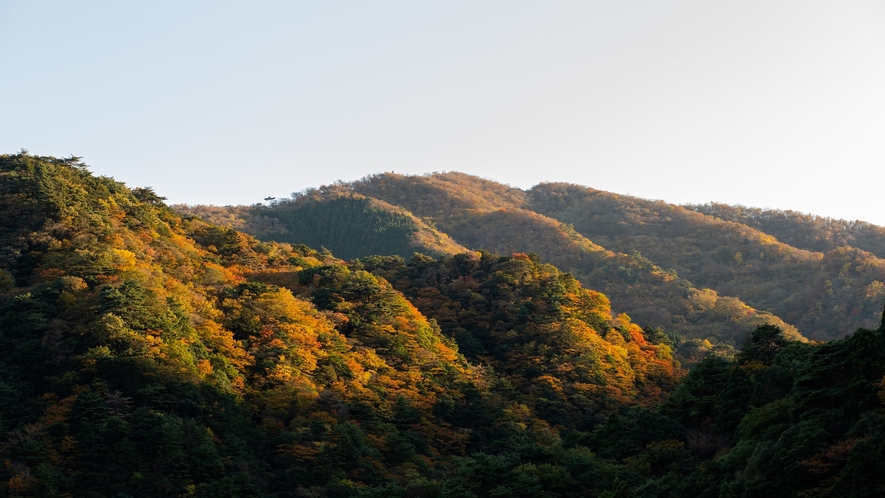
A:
(700, 271)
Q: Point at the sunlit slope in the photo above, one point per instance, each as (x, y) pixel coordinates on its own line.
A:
(152, 354)
(806, 231)
(481, 214)
(818, 292)
(124, 326)
(348, 224)
(549, 337)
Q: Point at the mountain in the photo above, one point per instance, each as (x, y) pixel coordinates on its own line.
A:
(349, 224)
(146, 353)
(484, 215)
(809, 289)
(683, 269)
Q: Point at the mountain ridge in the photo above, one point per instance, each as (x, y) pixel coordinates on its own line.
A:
(789, 285)
(730, 257)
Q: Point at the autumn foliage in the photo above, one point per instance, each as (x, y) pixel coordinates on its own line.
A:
(145, 352)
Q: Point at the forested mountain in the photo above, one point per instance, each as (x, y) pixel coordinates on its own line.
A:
(698, 271)
(818, 292)
(482, 214)
(348, 224)
(151, 354)
(145, 353)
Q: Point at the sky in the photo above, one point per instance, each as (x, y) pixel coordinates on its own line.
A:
(763, 103)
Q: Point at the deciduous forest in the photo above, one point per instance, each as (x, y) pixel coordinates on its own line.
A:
(440, 335)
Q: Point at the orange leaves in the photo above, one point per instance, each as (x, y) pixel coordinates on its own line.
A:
(204, 367)
(215, 274)
(221, 342)
(826, 465)
(50, 274)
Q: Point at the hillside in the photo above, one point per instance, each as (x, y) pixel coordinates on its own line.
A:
(806, 288)
(484, 215)
(145, 353)
(807, 231)
(149, 354)
(346, 223)
(686, 269)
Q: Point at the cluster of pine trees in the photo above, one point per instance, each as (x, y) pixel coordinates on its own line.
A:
(148, 353)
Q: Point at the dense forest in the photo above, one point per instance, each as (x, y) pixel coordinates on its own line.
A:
(483, 215)
(335, 218)
(146, 352)
(706, 272)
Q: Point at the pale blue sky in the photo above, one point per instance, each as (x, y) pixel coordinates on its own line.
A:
(764, 103)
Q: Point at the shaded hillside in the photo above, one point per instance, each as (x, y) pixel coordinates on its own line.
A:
(456, 205)
(807, 231)
(348, 224)
(809, 289)
(148, 354)
(785, 419)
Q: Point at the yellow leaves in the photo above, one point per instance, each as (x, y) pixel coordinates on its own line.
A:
(875, 290)
(615, 338)
(204, 367)
(115, 240)
(586, 304)
(280, 305)
(445, 353)
(222, 342)
(551, 382)
(215, 274)
(622, 321)
(703, 299)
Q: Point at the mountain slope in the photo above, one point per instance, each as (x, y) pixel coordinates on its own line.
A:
(146, 353)
(710, 271)
(485, 215)
(348, 224)
(806, 231)
(142, 353)
(804, 287)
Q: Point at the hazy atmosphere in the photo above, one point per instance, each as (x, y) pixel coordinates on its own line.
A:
(758, 103)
